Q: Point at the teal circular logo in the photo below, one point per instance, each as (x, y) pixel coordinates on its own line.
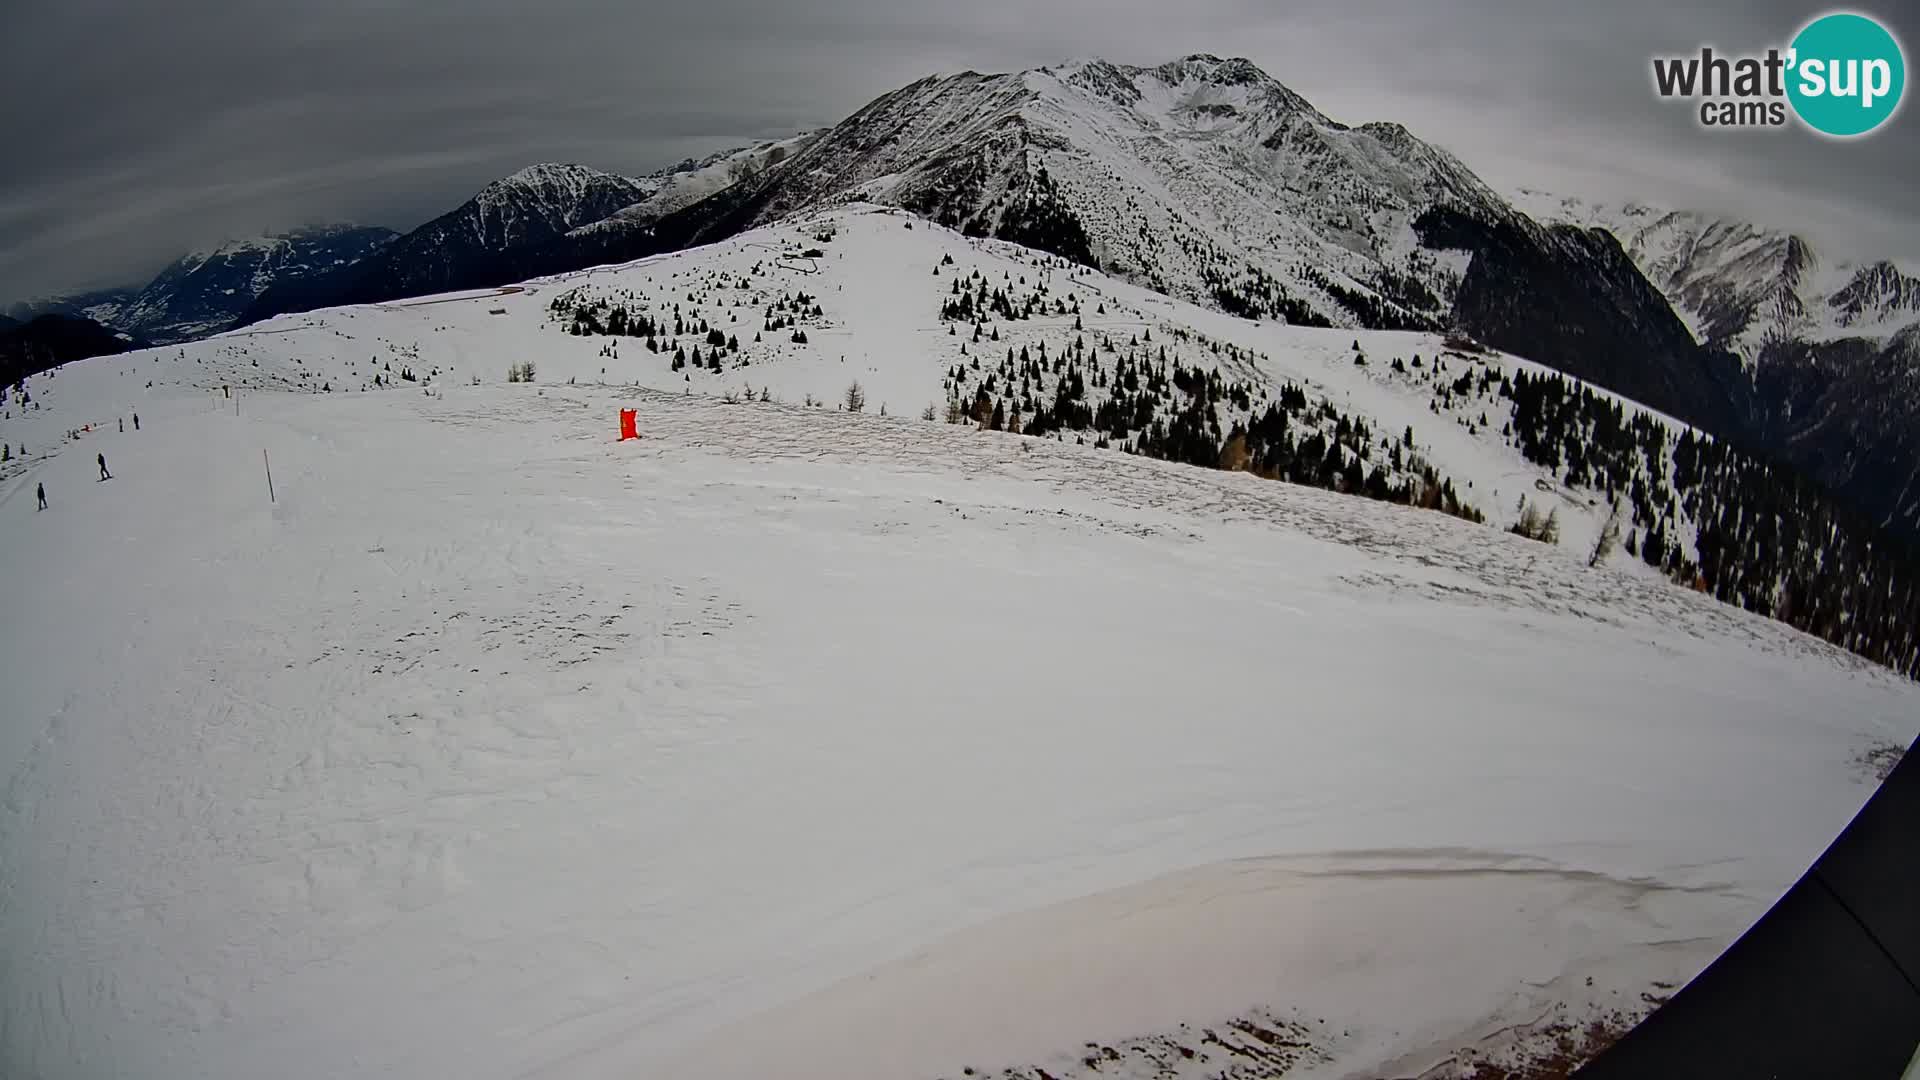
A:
(1847, 74)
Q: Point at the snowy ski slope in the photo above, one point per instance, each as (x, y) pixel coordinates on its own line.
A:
(786, 741)
(881, 301)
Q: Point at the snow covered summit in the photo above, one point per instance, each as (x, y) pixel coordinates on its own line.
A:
(1199, 177)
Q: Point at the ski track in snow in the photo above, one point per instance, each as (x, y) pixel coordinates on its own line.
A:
(787, 739)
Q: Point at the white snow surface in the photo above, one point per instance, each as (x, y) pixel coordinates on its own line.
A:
(786, 741)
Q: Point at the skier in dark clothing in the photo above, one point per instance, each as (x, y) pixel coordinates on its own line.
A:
(104, 474)
(43, 498)
(136, 421)
(123, 424)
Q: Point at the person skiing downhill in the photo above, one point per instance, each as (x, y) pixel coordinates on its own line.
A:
(104, 474)
(136, 421)
(42, 491)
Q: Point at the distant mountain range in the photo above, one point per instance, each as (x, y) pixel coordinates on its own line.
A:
(541, 208)
(1741, 286)
(1208, 180)
(207, 291)
(98, 305)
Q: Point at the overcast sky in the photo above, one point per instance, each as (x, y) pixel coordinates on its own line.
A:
(137, 131)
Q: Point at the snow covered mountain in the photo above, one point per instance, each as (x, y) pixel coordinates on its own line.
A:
(207, 291)
(1743, 286)
(101, 305)
(818, 736)
(529, 208)
(532, 205)
(479, 242)
(1830, 344)
(680, 186)
(1203, 178)
(1208, 180)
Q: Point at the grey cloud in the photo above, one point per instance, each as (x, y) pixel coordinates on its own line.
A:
(137, 131)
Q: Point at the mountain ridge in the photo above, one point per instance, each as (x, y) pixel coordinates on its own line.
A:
(207, 290)
(1743, 285)
(479, 242)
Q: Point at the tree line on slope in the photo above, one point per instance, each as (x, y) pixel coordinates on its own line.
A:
(1766, 538)
(1140, 399)
(1707, 513)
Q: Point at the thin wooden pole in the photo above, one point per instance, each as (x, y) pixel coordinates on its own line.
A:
(269, 465)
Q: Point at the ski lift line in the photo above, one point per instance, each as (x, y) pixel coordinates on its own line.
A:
(504, 290)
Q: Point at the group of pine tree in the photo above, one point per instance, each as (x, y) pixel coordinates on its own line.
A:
(1398, 302)
(1765, 538)
(586, 315)
(1156, 405)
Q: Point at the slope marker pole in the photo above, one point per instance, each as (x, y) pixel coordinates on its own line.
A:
(269, 464)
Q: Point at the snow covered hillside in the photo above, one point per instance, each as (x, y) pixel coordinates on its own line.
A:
(934, 324)
(866, 288)
(786, 740)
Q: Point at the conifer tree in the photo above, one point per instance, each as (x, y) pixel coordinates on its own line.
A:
(1608, 539)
